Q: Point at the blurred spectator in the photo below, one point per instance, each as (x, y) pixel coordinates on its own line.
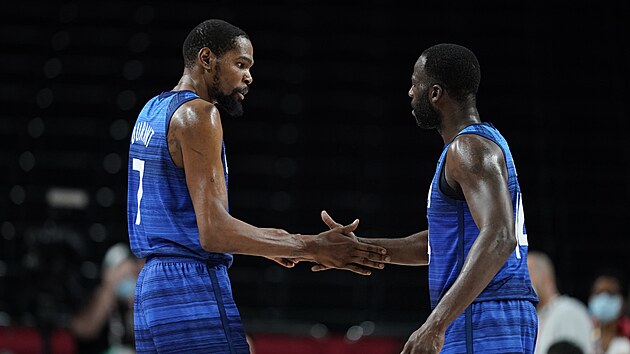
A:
(105, 324)
(607, 306)
(564, 347)
(560, 317)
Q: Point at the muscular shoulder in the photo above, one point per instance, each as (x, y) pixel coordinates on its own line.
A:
(192, 126)
(195, 114)
(474, 154)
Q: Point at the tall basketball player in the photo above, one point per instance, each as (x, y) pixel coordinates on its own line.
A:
(476, 246)
(177, 208)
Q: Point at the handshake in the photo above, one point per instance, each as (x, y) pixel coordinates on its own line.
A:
(339, 248)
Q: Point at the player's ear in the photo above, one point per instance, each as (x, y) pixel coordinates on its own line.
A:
(206, 58)
(435, 93)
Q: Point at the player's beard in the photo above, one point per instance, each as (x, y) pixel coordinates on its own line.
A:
(427, 117)
(229, 103)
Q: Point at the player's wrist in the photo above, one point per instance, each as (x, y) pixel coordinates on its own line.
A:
(438, 320)
(306, 246)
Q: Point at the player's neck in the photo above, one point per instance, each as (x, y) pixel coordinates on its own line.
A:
(454, 121)
(193, 83)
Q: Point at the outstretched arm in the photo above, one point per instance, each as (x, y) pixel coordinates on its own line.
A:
(411, 250)
(477, 166)
(195, 141)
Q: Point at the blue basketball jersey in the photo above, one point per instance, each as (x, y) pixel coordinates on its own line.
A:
(160, 215)
(452, 232)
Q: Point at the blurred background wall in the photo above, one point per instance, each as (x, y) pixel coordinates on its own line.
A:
(327, 125)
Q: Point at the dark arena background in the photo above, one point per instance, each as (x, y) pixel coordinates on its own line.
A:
(327, 125)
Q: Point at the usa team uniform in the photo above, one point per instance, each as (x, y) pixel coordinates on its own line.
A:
(183, 300)
(503, 318)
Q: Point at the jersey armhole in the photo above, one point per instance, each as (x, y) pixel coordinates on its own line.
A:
(173, 106)
(445, 188)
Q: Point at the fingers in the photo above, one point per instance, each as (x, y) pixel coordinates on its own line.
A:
(356, 269)
(332, 224)
(370, 256)
(351, 267)
(287, 263)
(368, 263)
(350, 228)
(329, 221)
(372, 249)
(319, 268)
(372, 260)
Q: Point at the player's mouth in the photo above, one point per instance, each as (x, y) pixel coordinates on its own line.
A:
(241, 93)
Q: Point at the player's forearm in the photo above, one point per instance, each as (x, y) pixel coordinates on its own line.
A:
(411, 250)
(222, 233)
(486, 257)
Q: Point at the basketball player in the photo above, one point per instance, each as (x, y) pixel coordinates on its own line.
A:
(476, 246)
(177, 208)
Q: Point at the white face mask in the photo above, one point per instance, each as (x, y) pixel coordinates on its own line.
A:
(605, 307)
(126, 288)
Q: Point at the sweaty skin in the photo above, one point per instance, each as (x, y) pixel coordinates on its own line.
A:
(475, 166)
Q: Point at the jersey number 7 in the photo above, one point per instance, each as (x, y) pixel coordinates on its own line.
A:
(138, 165)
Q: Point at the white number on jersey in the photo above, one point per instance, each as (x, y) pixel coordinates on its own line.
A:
(138, 165)
(519, 222)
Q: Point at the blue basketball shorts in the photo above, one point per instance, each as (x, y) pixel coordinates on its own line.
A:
(493, 327)
(185, 305)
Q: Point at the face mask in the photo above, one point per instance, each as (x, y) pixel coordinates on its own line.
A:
(605, 307)
(126, 288)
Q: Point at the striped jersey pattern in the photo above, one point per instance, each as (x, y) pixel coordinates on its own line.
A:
(185, 305)
(493, 327)
(183, 301)
(509, 297)
(160, 215)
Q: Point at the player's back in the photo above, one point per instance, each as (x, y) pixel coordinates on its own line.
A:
(160, 215)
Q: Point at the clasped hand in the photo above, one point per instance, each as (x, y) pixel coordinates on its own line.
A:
(339, 248)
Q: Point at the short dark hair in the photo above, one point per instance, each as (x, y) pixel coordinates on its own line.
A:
(219, 36)
(454, 66)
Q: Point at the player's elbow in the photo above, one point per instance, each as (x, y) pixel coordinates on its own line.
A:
(214, 235)
(211, 240)
(507, 240)
(206, 240)
(216, 228)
